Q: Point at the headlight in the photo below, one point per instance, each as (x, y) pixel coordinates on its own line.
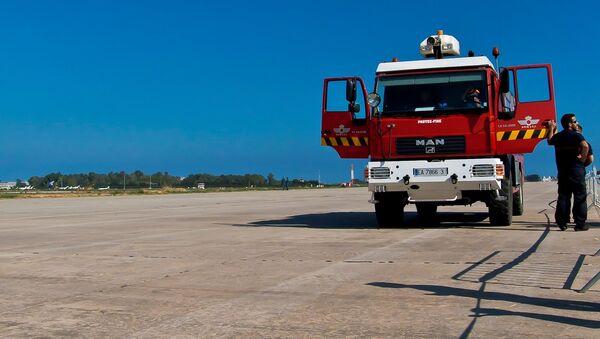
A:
(373, 99)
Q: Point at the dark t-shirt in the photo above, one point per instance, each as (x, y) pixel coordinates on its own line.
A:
(566, 147)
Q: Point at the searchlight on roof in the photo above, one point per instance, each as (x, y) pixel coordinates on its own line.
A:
(439, 46)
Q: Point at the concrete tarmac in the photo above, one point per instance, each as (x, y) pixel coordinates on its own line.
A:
(298, 263)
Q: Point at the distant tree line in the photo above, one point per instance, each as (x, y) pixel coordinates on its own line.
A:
(533, 177)
(139, 179)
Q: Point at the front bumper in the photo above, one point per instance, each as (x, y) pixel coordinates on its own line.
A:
(441, 180)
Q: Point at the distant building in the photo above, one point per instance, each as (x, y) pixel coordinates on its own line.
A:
(201, 186)
(8, 185)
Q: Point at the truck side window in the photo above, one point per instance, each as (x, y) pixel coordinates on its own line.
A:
(336, 98)
(507, 100)
(533, 85)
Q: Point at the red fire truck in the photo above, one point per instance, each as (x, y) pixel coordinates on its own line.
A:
(446, 130)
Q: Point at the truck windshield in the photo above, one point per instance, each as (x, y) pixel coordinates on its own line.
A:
(424, 94)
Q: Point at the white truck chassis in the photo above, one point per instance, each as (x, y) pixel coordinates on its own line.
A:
(440, 180)
(431, 183)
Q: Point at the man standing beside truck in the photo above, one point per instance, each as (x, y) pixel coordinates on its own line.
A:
(571, 151)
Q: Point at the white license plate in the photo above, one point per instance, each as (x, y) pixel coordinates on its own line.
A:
(430, 172)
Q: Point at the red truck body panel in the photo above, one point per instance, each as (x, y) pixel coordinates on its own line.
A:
(414, 136)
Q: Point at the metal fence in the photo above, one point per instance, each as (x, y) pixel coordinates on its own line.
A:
(592, 182)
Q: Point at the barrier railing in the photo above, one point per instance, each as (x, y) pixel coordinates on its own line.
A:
(592, 182)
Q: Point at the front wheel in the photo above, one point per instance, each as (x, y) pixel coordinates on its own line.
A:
(501, 207)
(389, 209)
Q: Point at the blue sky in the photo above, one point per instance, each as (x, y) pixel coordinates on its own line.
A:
(235, 87)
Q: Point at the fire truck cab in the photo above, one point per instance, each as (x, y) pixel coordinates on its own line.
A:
(441, 131)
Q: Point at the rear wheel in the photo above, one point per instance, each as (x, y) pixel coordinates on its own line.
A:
(389, 209)
(518, 201)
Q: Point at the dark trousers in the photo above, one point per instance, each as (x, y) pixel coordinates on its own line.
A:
(566, 189)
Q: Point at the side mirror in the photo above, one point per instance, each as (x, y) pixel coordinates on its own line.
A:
(351, 90)
(504, 81)
(373, 99)
(354, 107)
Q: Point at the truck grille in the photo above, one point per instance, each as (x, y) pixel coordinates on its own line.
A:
(435, 145)
(379, 173)
(483, 170)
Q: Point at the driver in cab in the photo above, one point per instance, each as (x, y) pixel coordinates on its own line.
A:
(471, 98)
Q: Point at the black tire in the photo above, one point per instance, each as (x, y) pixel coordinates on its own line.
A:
(501, 210)
(426, 212)
(389, 210)
(518, 201)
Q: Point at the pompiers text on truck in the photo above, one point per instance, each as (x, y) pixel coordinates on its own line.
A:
(447, 130)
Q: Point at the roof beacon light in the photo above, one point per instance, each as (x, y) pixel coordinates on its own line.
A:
(439, 46)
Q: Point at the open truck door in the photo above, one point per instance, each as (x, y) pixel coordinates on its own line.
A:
(526, 102)
(345, 115)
